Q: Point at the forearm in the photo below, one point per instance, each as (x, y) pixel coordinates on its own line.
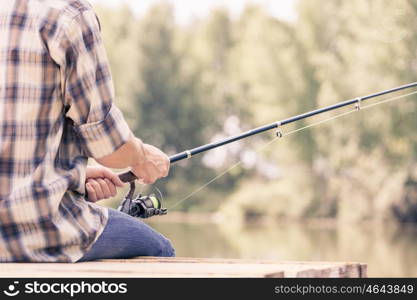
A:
(129, 155)
(147, 162)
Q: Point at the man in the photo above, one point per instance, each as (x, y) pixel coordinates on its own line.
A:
(56, 110)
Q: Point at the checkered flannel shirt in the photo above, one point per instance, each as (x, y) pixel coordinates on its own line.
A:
(56, 110)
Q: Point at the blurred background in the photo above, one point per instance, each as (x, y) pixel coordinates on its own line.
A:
(190, 72)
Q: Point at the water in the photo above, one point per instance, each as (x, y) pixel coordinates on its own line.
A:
(389, 250)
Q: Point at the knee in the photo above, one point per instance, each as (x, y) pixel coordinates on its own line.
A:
(166, 249)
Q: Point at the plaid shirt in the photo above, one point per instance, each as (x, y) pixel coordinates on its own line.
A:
(55, 111)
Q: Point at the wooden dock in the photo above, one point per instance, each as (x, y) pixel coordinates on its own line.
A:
(184, 267)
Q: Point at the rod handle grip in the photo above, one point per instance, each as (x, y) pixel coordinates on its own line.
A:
(127, 176)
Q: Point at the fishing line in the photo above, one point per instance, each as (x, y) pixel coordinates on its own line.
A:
(221, 174)
(358, 108)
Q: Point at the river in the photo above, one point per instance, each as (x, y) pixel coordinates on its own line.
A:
(390, 250)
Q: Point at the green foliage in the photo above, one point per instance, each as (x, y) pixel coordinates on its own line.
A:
(178, 86)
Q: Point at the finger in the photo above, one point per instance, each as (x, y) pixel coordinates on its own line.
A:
(144, 179)
(102, 172)
(97, 188)
(113, 177)
(111, 186)
(147, 180)
(95, 172)
(167, 169)
(92, 197)
(164, 166)
(162, 169)
(104, 188)
(153, 179)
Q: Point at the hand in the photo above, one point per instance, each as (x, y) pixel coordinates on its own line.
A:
(154, 165)
(101, 183)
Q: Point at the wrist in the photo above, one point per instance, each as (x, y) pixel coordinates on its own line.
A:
(139, 158)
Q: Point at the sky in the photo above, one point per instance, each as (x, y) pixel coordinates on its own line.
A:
(186, 10)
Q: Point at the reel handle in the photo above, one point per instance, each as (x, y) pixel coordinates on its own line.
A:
(127, 176)
(142, 206)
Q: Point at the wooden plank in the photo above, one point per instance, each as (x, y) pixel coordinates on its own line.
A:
(109, 269)
(363, 271)
(292, 269)
(185, 267)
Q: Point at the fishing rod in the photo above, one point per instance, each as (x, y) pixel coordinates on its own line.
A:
(148, 206)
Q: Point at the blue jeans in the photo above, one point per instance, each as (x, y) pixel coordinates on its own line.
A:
(125, 237)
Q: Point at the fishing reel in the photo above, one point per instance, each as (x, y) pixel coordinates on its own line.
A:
(143, 206)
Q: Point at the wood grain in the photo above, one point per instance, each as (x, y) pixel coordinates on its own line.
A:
(185, 267)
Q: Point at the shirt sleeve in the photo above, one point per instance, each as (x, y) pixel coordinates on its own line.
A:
(87, 88)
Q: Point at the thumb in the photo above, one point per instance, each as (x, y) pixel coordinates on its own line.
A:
(113, 177)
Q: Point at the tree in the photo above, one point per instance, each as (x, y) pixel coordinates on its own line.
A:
(170, 112)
